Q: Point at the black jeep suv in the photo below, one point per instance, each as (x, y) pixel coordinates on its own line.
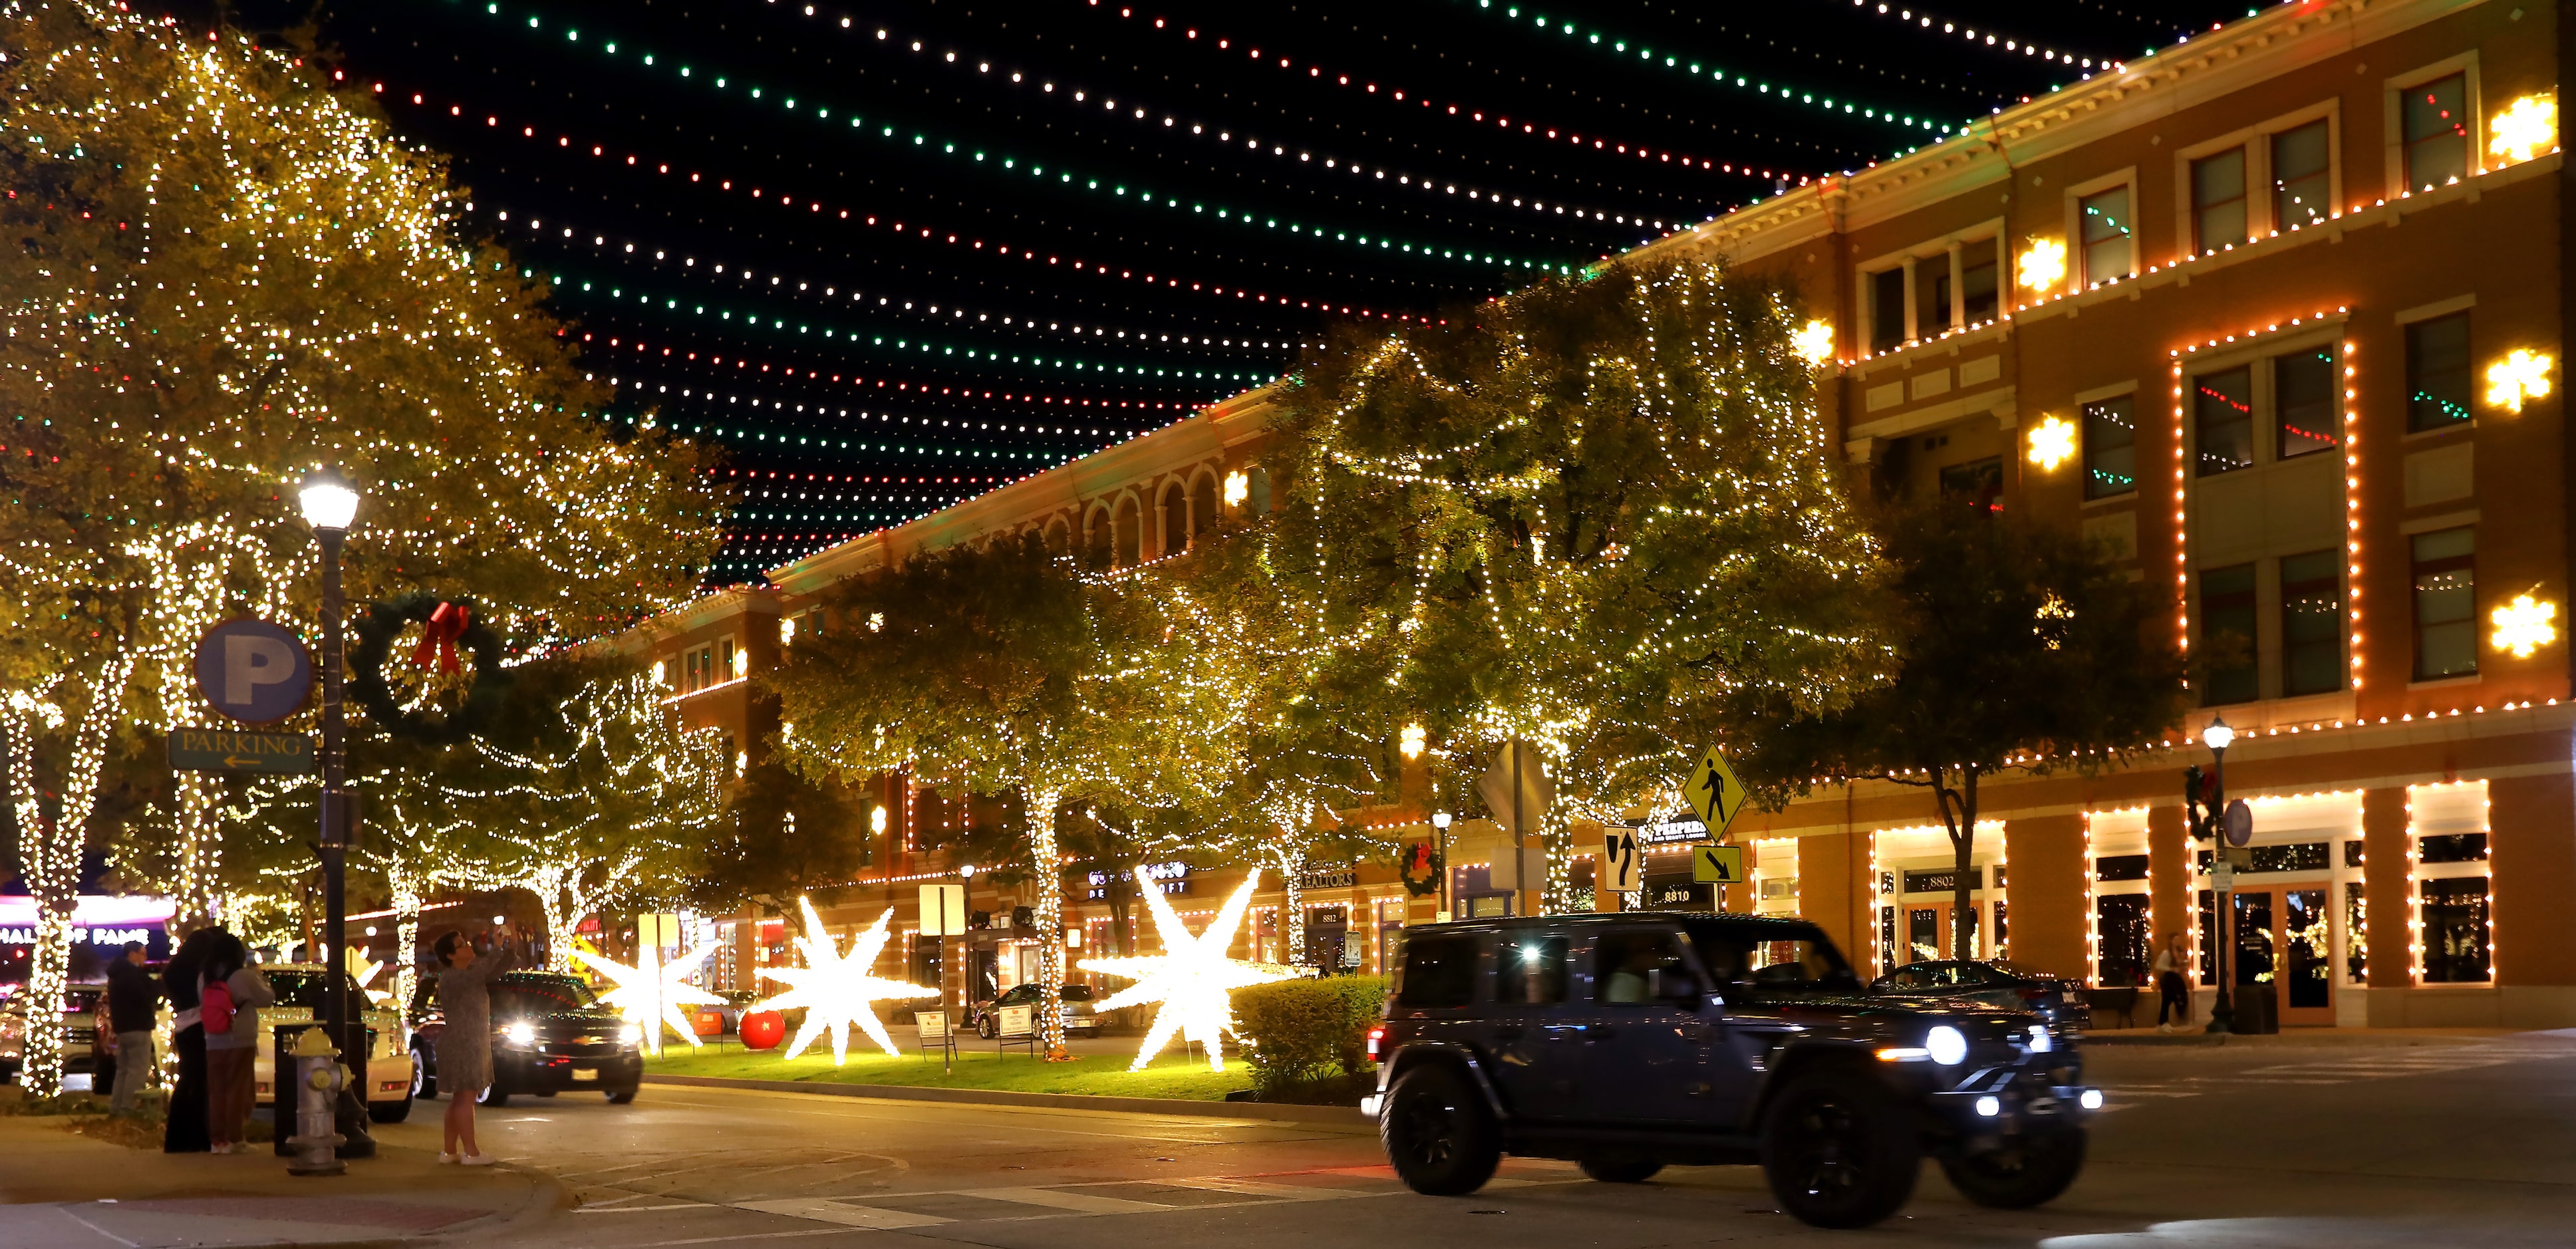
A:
(1631, 1041)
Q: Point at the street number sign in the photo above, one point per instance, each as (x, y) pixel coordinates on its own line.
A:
(1714, 793)
(1717, 865)
(238, 750)
(1621, 867)
(943, 910)
(253, 671)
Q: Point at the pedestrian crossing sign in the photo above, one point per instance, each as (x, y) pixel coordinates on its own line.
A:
(1714, 793)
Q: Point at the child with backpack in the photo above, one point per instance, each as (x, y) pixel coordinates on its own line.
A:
(229, 996)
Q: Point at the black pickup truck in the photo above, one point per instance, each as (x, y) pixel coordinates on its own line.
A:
(1629, 1042)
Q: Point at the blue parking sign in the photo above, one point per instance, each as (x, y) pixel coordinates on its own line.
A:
(254, 671)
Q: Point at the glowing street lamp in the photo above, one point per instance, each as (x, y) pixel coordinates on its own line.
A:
(2218, 736)
(329, 504)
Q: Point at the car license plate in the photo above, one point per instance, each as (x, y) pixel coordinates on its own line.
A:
(580, 1074)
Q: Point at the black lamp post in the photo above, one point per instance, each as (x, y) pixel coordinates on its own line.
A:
(329, 503)
(1440, 821)
(2217, 737)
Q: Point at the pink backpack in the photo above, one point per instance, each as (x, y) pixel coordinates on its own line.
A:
(215, 1007)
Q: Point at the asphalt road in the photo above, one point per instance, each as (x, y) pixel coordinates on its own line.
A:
(2343, 1146)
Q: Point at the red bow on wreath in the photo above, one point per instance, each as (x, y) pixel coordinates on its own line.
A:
(438, 636)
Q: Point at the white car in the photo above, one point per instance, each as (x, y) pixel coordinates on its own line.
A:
(299, 1000)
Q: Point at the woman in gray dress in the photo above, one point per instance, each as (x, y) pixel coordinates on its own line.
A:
(464, 1042)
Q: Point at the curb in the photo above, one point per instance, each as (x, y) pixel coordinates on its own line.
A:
(547, 1197)
(1347, 1117)
(2291, 1039)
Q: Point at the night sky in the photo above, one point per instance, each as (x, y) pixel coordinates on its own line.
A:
(893, 255)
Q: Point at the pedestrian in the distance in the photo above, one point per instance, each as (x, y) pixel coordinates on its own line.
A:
(2174, 990)
(464, 1052)
(185, 1130)
(228, 1008)
(133, 1002)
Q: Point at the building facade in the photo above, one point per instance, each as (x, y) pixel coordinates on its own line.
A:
(2275, 314)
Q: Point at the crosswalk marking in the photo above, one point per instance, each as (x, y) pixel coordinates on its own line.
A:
(1061, 1199)
(824, 1210)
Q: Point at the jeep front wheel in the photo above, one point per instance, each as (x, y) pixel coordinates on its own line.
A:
(2029, 1172)
(1839, 1150)
(1438, 1133)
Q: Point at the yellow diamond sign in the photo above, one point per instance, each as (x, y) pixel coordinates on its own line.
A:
(1714, 793)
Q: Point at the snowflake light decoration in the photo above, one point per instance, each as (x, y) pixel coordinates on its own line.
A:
(2052, 442)
(651, 994)
(1191, 977)
(2523, 625)
(836, 989)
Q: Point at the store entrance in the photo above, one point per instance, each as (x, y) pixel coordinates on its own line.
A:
(1928, 935)
(2282, 949)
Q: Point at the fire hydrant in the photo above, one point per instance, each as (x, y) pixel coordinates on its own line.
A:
(319, 1077)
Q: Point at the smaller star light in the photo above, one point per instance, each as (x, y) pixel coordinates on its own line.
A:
(1191, 977)
(1238, 487)
(2520, 375)
(1411, 741)
(1813, 342)
(364, 970)
(651, 994)
(2523, 625)
(2525, 130)
(2052, 442)
(2042, 266)
(837, 989)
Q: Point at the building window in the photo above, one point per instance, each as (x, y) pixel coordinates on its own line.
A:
(2223, 414)
(2107, 254)
(2455, 930)
(2110, 448)
(2435, 124)
(2437, 372)
(2218, 200)
(2311, 624)
(1979, 281)
(724, 660)
(2446, 608)
(1887, 309)
(2120, 867)
(1931, 295)
(2227, 635)
(1980, 482)
(2306, 416)
(2302, 175)
(2356, 932)
(2127, 948)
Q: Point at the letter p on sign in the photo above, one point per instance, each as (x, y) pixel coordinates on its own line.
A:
(253, 671)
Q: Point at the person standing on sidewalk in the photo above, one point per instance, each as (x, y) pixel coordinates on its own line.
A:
(465, 1041)
(2176, 992)
(132, 1003)
(185, 1130)
(231, 1021)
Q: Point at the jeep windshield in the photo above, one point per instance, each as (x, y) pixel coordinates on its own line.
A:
(1770, 956)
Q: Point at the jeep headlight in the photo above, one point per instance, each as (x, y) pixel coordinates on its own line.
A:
(631, 1035)
(1947, 1045)
(521, 1033)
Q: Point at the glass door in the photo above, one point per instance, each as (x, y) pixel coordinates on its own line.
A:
(2307, 958)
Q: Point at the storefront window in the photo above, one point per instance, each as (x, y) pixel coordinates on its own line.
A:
(2126, 946)
(2455, 930)
(2356, 932)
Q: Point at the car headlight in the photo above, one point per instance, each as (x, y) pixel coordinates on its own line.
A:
(631, 1034)
(2040, 1041)
(1947, 1045)
(521, 1034)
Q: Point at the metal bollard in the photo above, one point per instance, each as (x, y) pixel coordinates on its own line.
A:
(318, 1080)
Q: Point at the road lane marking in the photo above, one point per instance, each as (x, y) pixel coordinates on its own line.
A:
(825, 1211)
(685, 1205)
(1058, 1199)
(1255, 1188)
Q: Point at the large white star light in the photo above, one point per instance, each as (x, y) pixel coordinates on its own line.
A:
(1191, 977)
(836, 989)
(650, 993)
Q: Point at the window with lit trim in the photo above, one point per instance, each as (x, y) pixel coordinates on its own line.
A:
(2438, 375)
(2227, 629)
(2223, 420)
(2123, 922)
(2456, 930)
(2302, 175)
(2307, 415)
(2446, 608)
(2312, 623)
(2433, 121)
(2108, 252)
(2218, 201)
(2110, 447)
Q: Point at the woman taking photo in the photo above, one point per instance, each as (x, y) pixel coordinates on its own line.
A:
(465, 1043)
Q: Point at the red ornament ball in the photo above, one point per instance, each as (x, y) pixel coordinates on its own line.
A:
(763, 1030)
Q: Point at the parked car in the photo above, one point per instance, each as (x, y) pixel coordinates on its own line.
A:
(299, 989)
(1633, 1041)
(85, 1052)
(1079, 1017)
(2062, 1004)
(549, 1034)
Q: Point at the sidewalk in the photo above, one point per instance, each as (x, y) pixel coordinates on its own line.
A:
(62, 1191)
(2317, 1036)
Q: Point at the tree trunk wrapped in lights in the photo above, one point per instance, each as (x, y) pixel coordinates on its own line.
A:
(50, 848)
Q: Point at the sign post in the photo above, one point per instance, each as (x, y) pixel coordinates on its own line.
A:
(1714, 792)
(943, 915)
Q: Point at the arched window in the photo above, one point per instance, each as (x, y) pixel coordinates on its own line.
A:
(1130, 535)
(1058, 537)
(1095, 531)
(1203, 505)
(1176, 519)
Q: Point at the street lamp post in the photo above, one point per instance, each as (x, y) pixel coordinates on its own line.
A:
(329, 503)
(1440, 821)
(2217, 737)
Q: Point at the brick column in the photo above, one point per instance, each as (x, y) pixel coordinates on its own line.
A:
(2169, 861)
(2531, 848)
(1827, 881)
(2044, 889)
(2388, 887)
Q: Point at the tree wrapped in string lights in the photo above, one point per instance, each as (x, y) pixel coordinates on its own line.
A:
(1599, 516)
(227, 273)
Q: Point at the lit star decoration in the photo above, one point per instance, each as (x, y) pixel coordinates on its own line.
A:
(2522, 374)
(2052, 442)
(2527, 129)
(2043, 265)
(650, 993)
(1192, 977)
(836, 989)
(2523, 625)
(1813, 342)
(364, 970)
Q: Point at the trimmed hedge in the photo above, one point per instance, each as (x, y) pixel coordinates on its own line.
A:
(1302, 1030)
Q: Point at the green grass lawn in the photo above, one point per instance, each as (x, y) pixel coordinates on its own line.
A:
(1172, 1075)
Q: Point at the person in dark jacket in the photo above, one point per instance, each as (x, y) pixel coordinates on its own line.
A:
(186, 1132)
(133, 1002)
